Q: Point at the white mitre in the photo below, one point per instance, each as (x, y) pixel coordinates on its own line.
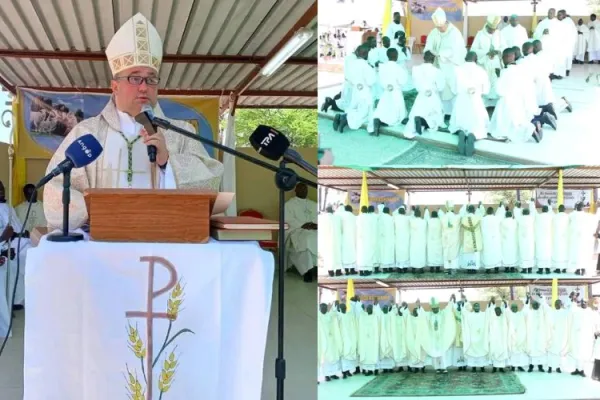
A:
(493, 21)
(438, 17)
(136, 44)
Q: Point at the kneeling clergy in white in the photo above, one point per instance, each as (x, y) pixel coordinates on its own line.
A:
(363, 78)
(391, 109)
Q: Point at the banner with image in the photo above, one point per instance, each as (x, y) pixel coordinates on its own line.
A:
(563, 291)
(423, 9)
(571, 197)
(389, 198)
(368, 296)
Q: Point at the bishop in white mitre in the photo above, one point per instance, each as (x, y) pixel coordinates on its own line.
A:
(302, 236)
(402, 239)
(439, 334)
(488, 47)
(446, 42)
(134, 56)
(36, 217)
(514, 35)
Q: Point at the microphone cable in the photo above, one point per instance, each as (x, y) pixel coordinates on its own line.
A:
(14, 292)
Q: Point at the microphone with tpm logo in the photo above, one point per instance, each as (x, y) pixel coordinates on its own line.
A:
(145, 118)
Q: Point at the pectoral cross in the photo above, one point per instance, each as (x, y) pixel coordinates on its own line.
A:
(149, 315)
(129, 171)
(130, 144)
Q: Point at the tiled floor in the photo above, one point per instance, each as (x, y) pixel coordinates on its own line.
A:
(300, 347)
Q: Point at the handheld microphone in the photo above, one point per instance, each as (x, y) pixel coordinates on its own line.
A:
(81, 152)
(273, 144)
(145, 118)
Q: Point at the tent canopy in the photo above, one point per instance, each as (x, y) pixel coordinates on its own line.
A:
(212, 48)
(461, 178)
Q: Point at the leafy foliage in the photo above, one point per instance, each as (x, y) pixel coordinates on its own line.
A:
(508, 195)
(299, 125)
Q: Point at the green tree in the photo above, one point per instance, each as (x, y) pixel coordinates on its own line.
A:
(299, 125)
(594, 5)
(508, 195)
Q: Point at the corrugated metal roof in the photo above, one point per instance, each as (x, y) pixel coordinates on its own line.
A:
(455, 179)
(229, 28)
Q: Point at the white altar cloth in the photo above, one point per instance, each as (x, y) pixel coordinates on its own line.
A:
(80, 345)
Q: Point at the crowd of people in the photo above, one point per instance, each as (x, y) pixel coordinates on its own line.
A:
(332, 44)
(500, 89)
(509, 238)
(392, 338)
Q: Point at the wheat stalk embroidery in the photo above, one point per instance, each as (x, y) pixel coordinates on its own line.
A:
(135, 387)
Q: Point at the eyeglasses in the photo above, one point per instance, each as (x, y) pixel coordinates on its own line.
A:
(137, 80)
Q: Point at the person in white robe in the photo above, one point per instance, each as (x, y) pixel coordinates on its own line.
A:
(517, 338)
(181, 163)
(368, 340)
(553, 43)
(581, 240)
(475, 335)
(386, 350)
(491, 256)
(568, 37)
(594, 40)
(560, 240)
(343, 99)
(330, 241)
(498, 335)
(472, 239)
(349, 336)
(376, 220)
(514, 35)
(427, 111)
(447, 44)
(418, 242)
(538, 333)
(526, 237)
(36, 217)
(391, 109)
(330, 343)
(470, 118)
(10, 228)
(348, 220)
(450, 238)
(366, 242)
(398, 334)
(535, 80)
(543, 238)
(543, 86)
(378, 55)
(301, 239)
(509, 239)
(511, 120)
(439, 334)
(435, 248)
(386, 241)
(415, 324)
(583, 37)
(363, 78)
(402, 240)
(583, 325)
(394, 28)
(559, 335)
(488, 47)
(458, 357)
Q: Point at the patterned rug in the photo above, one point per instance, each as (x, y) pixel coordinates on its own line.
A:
(454, 383)
(425, 154)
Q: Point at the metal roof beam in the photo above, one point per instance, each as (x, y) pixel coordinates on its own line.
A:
(184, 92)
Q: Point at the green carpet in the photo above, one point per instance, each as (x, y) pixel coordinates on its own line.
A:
(426, 154)
(457, 275)
(454, 383)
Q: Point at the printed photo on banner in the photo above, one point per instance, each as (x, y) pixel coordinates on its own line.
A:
(390, 199)
(423, 9)
(571, 197)
(49, 116)
(369, 296)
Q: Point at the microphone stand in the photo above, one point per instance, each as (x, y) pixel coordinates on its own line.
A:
(285, 180)
(65, 236)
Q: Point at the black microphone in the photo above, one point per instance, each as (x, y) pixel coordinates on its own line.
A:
(145, 118)
(81, 152)
(273, 144)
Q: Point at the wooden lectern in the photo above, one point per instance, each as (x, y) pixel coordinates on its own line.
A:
(151, 216)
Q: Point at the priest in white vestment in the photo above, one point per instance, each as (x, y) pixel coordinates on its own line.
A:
(368, 340)
(450, 238)
(488, 47)
(394, 28)
(510, 242)
(583, 37)
(330, 241)
(553, 43)
(498, 336)
(594, 41)
(447, 44)
(439, 334)
(543, 238)
(330, 343)
(366, 241)
(378, 55)
(538, 334)
(581, 240)
(386, 351)
(418, 242)
(517, 338)
(491, 256)
(458, 356)
(415, 324)
(469, 117)
(302, 236)
(514, 35)
(349, 335)
(568, 37)
(475, 336)
(526, 235)
(558, 321)
(134, 55)
(386, 241)
(391, 109)
(348, 240)
(435, 249)
(402, 239)
(36, 217)
(583, 324)
(399, 336)
(472, 240)
(560, 240)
